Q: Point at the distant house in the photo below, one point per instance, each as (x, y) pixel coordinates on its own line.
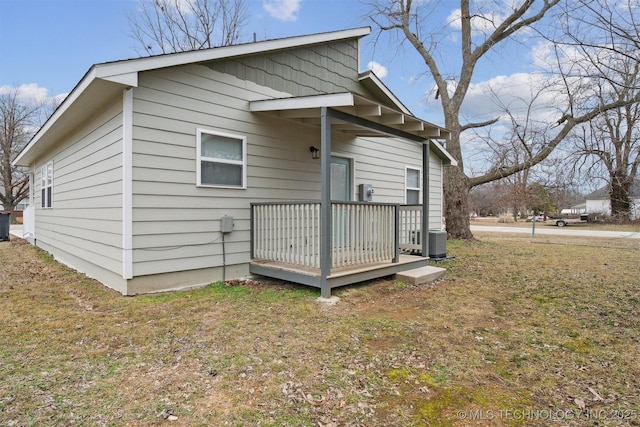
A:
(599, 201)
(578, 209)
(275, 158)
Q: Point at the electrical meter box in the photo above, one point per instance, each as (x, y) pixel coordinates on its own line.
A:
(366, 193)
(226, 224)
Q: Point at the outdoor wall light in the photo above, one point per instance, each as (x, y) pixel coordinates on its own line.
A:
(315, 152)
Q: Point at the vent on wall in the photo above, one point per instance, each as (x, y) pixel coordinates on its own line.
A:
(437, 244)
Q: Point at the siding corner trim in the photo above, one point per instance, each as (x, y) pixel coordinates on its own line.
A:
(127, 184)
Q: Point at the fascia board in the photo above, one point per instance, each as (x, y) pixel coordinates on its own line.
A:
(304, 102)
(443, 153)
(174, 59)
(373, 78)
(64, 106)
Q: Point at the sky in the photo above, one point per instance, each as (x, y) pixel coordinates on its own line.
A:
(54, 42)
(46, 46)
(50, 44)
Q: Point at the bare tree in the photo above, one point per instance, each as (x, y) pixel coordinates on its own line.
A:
(483, 200)
(518, 144)
(612, 140)
(480, 30)
(165, 26)
(18, 121)
(563, 182)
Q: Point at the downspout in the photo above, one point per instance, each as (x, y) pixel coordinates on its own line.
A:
(325, 201)
(426, 197)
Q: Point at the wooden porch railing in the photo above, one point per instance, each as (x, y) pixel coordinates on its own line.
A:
(286, 232)
(410, 228)
(362, 233)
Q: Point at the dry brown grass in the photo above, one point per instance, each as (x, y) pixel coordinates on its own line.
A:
(520, 333)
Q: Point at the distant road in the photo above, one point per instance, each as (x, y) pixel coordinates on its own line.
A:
(16, 229)
(557, 231)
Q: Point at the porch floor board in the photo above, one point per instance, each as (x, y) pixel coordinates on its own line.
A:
(339, 276)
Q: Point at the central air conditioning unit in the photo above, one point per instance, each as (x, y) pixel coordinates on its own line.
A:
(437, 244)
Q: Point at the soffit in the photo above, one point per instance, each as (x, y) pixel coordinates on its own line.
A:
(307, 110)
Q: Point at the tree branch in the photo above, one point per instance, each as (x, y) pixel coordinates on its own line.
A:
(570, 124)
(478, 124)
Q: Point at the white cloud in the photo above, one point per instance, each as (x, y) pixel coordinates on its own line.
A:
(542, 55)
(479, 22)
(549, 56)
(527, 96)
(520, 93)
(283, 10)
(378, 69)
(33, 93)
(27, 92)
(515, 92)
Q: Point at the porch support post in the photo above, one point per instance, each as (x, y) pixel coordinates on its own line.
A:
(396, 234)
(325, 201)
(252, 231)
(426, 196)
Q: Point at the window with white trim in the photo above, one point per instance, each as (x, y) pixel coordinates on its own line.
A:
(46, 196)
(221, 160)
(412, 185)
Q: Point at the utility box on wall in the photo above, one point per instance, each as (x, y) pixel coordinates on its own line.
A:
(226, 224)
(366, 192)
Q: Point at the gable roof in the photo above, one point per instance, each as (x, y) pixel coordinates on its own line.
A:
(103, 84)
(603, 192)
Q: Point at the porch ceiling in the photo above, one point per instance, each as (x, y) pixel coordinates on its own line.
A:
(306, 109)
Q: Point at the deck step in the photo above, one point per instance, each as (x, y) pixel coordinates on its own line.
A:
(422, 275)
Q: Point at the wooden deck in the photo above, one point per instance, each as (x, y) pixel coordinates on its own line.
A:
(339, 276)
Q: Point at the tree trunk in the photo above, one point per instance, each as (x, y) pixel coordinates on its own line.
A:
(456, 196)
(620, 201)
(12, 216)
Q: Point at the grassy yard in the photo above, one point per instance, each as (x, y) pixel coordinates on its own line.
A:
(521, 332)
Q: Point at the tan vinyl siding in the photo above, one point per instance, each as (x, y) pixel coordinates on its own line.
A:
(176, 225)
(435, 193)
(381, 163)
(85, 221)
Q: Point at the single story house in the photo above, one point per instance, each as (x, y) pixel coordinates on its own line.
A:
(599, 201)
(276, 158)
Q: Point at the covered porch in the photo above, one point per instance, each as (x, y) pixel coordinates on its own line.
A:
(368, 240)
(328, 243)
